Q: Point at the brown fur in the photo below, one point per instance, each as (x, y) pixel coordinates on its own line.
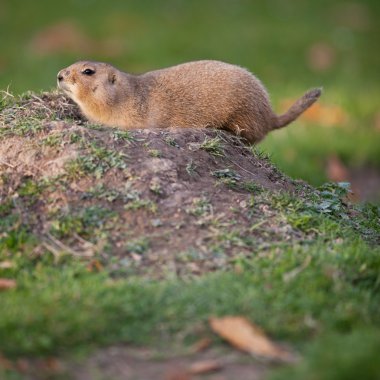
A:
(196, 94)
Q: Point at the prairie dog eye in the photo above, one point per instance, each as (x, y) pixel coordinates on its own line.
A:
(88, 72)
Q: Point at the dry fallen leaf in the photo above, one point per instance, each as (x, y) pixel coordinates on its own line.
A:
(5, 363)
(23, 365)
(177, 374)
(95, 266)
(201, 345)
(245, 336)
(6, 264)
(327, 115)
(51, 364)
(336, 171)
(7, 283)
(318, 113)
(205, 366)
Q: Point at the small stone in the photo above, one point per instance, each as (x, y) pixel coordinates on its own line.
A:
(156, 222)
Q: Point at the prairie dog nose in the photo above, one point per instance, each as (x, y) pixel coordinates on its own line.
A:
(62, 74)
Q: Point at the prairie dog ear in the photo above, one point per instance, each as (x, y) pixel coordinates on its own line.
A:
(112, 77)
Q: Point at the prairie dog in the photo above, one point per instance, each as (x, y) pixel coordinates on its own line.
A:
(196, 94)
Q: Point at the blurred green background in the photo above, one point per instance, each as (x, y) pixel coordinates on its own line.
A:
(290, 45)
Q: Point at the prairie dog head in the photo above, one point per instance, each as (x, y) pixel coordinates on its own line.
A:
(92, 85)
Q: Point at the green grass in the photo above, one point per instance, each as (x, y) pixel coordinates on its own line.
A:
(214, 146)
(339, 357)
(84, 222)
(320, 294)
(338, 291)
(272, 39)
(97, 162)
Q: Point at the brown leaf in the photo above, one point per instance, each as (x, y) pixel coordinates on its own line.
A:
(205, 366)
(177, 374)
(336, 171)
(246, 336)
(201, 345)
(325, 115)
(51, 364)
(6, 264)
(5, 363)
(23, 365)
(95, 266)
(7, 283)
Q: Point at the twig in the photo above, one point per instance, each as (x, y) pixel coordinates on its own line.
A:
(7, 164)
(67, 249)
(296, 271)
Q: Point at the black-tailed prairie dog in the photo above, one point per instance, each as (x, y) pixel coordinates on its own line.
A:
(198, 94)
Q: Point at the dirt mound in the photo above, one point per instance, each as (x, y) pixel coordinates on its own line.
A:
(153, 202)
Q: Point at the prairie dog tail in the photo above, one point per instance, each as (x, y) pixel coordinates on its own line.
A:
(301, 105)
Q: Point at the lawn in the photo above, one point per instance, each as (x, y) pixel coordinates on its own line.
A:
(133, 240)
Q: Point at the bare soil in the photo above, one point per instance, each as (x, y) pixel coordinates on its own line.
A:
(128, 363)
(119, 363)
